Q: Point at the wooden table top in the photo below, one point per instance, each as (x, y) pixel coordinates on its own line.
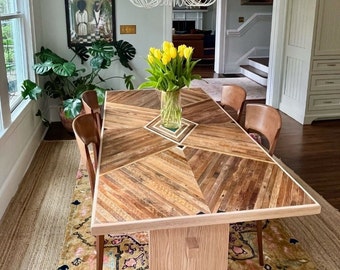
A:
(214, 174)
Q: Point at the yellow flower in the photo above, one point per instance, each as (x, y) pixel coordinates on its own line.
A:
(167, 45)
(150, 58)
(181, 49)
(157, 53)
(166, 58)
(152, 50)
(188, 52)
(170, 68)
(173, 52)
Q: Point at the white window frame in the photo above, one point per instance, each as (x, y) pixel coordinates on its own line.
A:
(7, 116)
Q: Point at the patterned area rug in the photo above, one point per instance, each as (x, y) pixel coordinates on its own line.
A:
(213, 87)
(131, 251)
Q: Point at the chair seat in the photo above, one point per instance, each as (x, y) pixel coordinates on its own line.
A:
(256, 137)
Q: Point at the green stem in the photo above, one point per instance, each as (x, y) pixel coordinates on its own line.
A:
(171, 111)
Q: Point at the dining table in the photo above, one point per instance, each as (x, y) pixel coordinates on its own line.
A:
(185, 186)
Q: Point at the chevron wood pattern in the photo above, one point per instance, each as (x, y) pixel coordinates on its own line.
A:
(216, 175)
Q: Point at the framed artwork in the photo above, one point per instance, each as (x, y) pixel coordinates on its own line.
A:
(256, 2)
(90, 20)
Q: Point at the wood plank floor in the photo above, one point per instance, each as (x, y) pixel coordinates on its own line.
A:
(312, 151)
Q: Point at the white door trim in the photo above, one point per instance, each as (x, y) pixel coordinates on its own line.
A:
(220, 39)
(276, 53)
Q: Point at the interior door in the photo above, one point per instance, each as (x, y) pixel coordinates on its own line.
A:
(297, 57)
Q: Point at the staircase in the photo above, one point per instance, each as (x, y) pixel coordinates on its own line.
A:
(256, 70)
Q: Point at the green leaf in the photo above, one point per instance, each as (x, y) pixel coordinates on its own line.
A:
(47, 55)
(125, 51)
(100, 95)
(82, 52)
(43, 68)
(101, 48)
(100, 62)
(31, 90)
(72, 107)
(54, 89)
(66, 69)
(128, 81)
(147, 84)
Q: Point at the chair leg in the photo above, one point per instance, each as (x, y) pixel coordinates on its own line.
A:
(259, 241)
(100, 251)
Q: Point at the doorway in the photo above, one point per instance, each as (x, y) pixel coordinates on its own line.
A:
(197, 28)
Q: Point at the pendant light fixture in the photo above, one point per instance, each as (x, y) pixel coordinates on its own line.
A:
(178, 3)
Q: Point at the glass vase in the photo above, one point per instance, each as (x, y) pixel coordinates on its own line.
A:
(171, 110)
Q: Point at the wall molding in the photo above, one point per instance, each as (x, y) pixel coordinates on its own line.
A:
(248, 24)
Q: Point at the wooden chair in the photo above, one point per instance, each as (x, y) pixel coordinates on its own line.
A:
(266, 122)
(88, 139)
(233, 96)
(90, 104)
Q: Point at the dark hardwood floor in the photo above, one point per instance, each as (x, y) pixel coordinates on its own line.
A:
(312, 151)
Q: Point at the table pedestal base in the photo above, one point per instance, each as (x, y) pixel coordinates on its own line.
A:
(199, 248)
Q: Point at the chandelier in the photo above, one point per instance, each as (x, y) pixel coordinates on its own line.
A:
(178, 3)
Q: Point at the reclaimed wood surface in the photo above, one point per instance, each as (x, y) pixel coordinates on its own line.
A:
(216, 175)
(180, 248)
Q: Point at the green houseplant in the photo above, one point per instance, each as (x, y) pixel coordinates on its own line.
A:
(66, 81)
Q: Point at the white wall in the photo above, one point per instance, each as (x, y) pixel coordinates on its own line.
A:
(235, 10)
(149, 24)
(209, 19)
(18, 145)
(150, 33)
(251, 38)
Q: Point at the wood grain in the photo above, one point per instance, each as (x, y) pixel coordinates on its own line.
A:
(220, 169)
(216, 175)
(188, 248)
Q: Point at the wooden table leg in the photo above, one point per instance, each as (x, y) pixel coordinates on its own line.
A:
(199, 248)
(100, 251)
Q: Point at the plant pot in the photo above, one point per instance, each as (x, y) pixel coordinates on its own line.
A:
(66, 122)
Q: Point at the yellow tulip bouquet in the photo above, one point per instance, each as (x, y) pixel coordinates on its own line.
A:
(170, 69)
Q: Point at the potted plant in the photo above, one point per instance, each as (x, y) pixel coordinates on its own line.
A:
(67, 81)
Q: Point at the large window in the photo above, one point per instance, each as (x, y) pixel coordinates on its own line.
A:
(14, 19)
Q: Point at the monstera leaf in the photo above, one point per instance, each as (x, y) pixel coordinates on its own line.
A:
(101, 49)
(125, 52)
(82, 52)
(31, 90)
(47, 55)
(67, 81)
(72, 107)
